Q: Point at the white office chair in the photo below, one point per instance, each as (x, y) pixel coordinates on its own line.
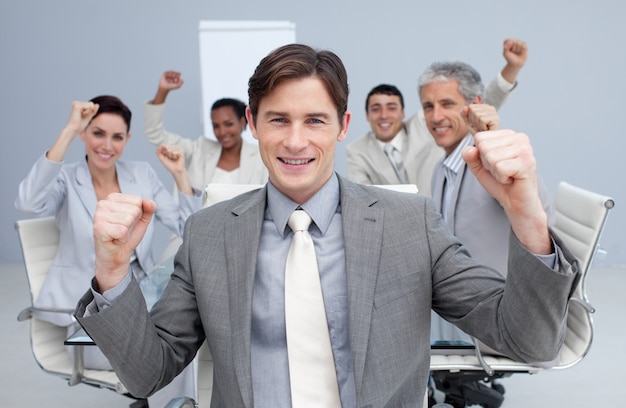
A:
(39, 238)
(580, 219)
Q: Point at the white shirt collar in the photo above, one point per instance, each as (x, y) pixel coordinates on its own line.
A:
(397, 142)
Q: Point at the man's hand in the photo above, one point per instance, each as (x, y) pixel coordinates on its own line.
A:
(119, 225)
(480, 117)
(504, 164)
(515, 53)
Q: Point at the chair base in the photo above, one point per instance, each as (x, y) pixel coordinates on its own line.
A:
(140, 403)
(467, 388)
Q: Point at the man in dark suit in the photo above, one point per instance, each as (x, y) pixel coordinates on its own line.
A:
(384, 259)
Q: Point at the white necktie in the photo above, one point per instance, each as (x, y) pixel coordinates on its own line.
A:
(311, 365)
(396, 162)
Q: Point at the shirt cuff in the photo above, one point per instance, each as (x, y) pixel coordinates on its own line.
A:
(505, 85)
(550, 260)
(105, 299)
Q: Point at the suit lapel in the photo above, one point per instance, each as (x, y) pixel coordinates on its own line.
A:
(242, 232)
(245, 171)
(385, 170)
(363, 235)
(210, 160)
(84, 188)
(127, 181)
(438, 178)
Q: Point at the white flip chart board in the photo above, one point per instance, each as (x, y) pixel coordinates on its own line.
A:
(229, 53)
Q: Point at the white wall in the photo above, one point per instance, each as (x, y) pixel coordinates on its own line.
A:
(568, 99)
(254, 40)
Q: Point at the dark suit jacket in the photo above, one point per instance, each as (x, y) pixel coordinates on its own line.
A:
(400, 259)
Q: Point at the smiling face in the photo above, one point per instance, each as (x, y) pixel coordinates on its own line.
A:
(442, 103)
(385, 115)
(105, 139)
(297, 127)
(227, 127)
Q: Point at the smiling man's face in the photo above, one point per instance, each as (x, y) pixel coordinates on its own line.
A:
(385, 115)
(442, 103)
(297, 127)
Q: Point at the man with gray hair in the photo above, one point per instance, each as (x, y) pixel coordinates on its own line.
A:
(451, 96)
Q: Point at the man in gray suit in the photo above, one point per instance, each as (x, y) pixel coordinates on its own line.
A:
(384, 108)
(451, 97)
(385, 258)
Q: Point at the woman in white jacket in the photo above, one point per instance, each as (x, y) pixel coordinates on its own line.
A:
(228, 160)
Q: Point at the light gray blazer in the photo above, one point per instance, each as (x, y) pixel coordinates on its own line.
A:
(66, 191)
(400, 260)
(478, 219)
(202, 154)
(368, 164)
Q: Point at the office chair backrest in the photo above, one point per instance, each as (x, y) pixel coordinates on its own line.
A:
(39, 239)
(580, 219)
(216, 192)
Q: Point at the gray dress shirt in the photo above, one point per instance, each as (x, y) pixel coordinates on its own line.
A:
(270, 368)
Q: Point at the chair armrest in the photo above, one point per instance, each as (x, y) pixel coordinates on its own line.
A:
(586, 305)
(479, 355)
(182, 402)
(25, 314)
(30, 311)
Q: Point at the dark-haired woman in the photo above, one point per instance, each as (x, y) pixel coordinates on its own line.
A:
(71, 191)
(228, 160)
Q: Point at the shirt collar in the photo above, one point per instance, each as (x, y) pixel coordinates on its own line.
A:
(454, 161)
(321, 207)
(397, 142)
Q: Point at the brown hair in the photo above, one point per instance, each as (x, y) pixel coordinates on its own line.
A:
(294, 61)
(112, 104)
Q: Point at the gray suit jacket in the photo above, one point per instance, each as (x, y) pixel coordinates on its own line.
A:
(368, 164)
(478, 219)
(400, 260)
